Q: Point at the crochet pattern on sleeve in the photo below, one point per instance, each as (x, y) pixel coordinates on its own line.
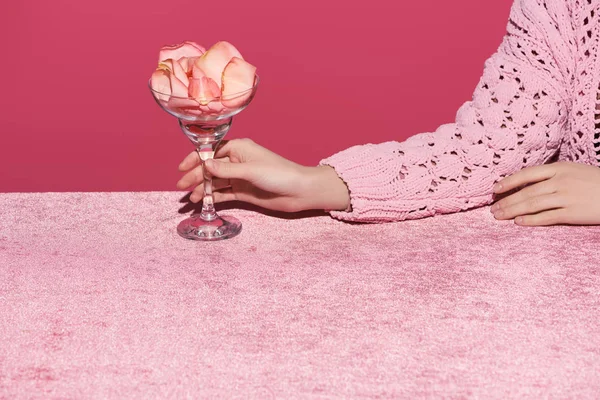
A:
(583, 145)
(517, 118)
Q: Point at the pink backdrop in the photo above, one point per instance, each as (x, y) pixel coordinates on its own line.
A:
(77, 115)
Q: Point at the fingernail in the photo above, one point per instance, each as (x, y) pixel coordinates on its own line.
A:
(518, 220)
(499, 214)
(497, 187)
(209, 163)
(494, 208)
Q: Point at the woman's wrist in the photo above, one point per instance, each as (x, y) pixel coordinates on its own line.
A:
(325, 190)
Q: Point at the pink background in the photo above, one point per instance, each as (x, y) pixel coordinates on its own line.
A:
(77, 116)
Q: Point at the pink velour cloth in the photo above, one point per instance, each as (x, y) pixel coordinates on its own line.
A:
(101, 299)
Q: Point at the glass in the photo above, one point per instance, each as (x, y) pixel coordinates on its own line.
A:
(205, 123)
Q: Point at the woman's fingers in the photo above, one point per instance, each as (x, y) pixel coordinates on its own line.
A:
(241, 149)
(190, 161)
(191, 179)
(224, 195)
(193, 159)
(195, 176)
(529, 192)
(228, 170)
(546, 218)
(223, 149)
(529, 206)
(525, 176)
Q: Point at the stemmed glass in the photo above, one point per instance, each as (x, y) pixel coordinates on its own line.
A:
(205, 123)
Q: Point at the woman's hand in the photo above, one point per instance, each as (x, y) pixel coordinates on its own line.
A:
(243, 170)
(559, 193)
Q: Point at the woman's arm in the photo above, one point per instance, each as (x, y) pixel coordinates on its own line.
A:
(515, 119)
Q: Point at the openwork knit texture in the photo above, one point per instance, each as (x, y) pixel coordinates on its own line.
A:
(535, 103)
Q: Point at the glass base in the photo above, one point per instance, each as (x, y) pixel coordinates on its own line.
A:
(195, 228)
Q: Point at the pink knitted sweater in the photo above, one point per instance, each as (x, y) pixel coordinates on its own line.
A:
(535, 103)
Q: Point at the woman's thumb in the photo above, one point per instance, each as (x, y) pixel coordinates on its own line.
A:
(226, 170)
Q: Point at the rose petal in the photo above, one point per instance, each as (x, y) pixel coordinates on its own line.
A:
(180, 73)
(204, 90)
(205, 109)
(185, 49)
(215, 90)
(216, 106)
(197, 73)
(166, 65)
(178, 88)
(213, 87)
(161, 84)
(184, 62)
(184, 107)
(238, 79)
(175, 68)
(179, 103)
(187, 63)
(195, 89)
(213, 62)
(201, 49)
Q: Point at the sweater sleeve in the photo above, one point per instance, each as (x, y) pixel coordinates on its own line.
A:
(515, 119)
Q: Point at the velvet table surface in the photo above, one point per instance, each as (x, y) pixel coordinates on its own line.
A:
(101, 299)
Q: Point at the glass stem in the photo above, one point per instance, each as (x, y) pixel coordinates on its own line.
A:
(208, 213)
